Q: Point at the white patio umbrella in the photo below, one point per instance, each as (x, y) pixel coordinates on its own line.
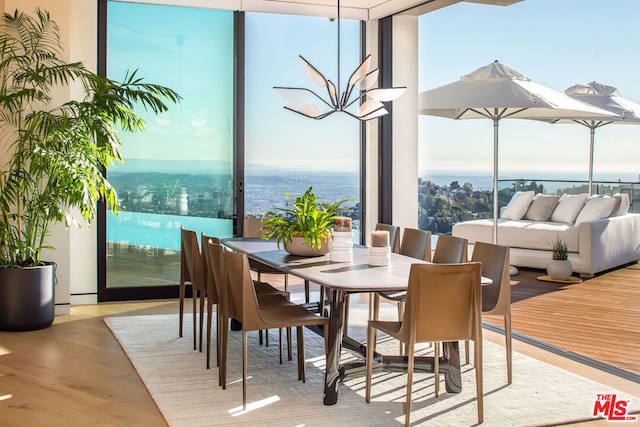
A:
(497, 92)
(607, 98)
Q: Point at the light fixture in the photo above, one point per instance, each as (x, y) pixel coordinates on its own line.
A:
(338, 101)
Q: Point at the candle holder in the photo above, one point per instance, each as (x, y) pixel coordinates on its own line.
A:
(379, 255)
(341, 246)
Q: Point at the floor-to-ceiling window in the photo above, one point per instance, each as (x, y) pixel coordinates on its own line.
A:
(286, 151)
(179, 173)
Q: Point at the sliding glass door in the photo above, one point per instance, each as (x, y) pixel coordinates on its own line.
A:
(179, 173)
(285, 151)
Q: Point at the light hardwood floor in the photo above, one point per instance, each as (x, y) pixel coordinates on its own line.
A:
(75, 373)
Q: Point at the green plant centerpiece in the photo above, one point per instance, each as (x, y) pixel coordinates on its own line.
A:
(56, 152)
(306, 218)
(559, 268)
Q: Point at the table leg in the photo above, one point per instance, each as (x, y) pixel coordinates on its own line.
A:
(334, 346)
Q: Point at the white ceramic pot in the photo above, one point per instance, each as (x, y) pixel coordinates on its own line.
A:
(297, 246)
(559, 269)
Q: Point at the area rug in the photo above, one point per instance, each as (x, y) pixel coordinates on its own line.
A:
(187, 394)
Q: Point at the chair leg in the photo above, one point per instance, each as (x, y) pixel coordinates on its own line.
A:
(477, 345)
(266, 338)
(280, 343)
(507, 337)
(218, 323)
(289, 343)
(436, 367)
(260, 337)
(223, 331)
(209, 315)
(371, 349)
(202, 303)
(286, 282)
(195, 325)
(321, 301)
(244, 369)
(181, 320)
(403, 347)
(376, 306)
(466, 351)
(411, 359)
(301, 362)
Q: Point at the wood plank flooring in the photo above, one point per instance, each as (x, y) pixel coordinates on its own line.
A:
(598, 318)
(75, 373)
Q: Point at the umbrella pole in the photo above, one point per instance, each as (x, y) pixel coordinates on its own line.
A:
(496, 120)
(593, 131)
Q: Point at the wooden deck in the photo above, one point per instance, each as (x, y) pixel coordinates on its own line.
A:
(597, 320)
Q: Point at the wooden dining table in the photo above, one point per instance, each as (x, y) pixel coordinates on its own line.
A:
(343, 278)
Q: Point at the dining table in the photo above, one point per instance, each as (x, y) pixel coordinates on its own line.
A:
(340, 279)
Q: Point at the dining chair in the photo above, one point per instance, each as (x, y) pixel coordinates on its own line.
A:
(267, 296)
(252, 227)
(394, 243)
(415, 244)
(255, 316)
(496, 297)
(212, 294)
(449, 250)
(192, 271)
(444, 303)
(394, 235)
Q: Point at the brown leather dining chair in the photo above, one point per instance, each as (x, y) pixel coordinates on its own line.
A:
(252, 227)
(449, 250)
(415, 244)
(212, 294)
(496, 297)
(255, 316)
(266, 294)
(192, 271)
(444, 303)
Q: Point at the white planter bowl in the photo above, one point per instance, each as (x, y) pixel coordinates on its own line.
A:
(559, 269)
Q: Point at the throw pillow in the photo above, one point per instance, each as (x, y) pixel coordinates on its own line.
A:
(596, 208)
(624, 204)
(568, 208)
(518, 205)
(542, 207)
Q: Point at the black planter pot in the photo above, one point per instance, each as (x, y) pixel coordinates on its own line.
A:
(27, 298)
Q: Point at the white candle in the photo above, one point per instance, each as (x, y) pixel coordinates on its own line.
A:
(379, 238)
(342, 224)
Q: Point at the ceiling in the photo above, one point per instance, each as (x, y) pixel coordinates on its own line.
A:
(363, 9)
(351, 9)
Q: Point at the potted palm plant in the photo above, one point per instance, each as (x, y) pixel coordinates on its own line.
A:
(304, 226)
(55, 155)
(559, 268)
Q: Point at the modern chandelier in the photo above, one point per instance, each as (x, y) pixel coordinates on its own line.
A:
(362, 79)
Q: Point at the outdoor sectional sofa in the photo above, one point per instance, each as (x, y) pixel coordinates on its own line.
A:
(599, 231)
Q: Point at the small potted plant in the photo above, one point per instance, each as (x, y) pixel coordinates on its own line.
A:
(560, 267)
(304, 226)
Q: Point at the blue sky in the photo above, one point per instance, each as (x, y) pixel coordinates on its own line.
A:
(557, 43)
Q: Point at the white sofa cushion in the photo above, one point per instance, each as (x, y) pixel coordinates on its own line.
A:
(518, 205)
(519, 234)
(541, 207)
(568, 208)
(624, 206)
(596, 208)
